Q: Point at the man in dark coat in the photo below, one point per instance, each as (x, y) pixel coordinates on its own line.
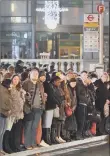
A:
(101, 93)
(19, 67)
(82, 99)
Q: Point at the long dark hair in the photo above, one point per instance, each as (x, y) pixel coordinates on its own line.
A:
(19, 86)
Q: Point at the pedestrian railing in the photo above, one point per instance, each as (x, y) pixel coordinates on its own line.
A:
(59, 64)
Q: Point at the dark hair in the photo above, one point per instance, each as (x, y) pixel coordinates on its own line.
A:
(34, 64)
(19, 62)
(7, 76)
(72, 80)
(84, 71)
(42, 73)
(93, 75)
(35, 69)
(53, 74)
(18, 87)
(56, 78)
(6, 83)
(24, 76)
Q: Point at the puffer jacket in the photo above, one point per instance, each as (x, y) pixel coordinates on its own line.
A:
(54, 96)
(5, 101)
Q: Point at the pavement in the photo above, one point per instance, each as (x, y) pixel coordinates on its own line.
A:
(71, 148)
(103, 150)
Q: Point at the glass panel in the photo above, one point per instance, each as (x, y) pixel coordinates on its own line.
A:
(106, 46)
(63, 45)
(29, 20)
(16, 45)
(13, 8)
(43, 43)
(69, 46)
(29, 8)
(88, 8)
(13, 19)
(40, 17)
(73, 17)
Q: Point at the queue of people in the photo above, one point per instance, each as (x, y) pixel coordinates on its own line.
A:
(40, 108)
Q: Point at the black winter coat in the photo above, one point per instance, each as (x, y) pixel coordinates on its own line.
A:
(101, 95)
(19, 69)
(82, 92)
(53, 96)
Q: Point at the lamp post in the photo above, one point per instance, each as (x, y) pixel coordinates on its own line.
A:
(109, 36)
(0, 37)
(101, 18)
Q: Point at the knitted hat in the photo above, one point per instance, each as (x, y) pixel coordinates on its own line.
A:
(42, 73)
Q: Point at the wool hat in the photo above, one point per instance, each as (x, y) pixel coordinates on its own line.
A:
(42, 73)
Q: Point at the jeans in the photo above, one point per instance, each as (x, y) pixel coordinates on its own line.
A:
(30, 128)
(81, 115)
(2, 130)
(47, 119)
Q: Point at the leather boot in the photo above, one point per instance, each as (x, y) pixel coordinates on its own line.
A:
(6, 143)
(47, 135)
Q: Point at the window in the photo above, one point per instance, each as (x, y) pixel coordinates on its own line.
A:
(58, 45)
(16, 45)
(13, 8)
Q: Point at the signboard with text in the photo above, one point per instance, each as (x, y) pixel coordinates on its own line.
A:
(91, 33)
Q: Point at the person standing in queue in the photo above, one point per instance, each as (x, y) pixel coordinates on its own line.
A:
(5, 109)
(33, 108)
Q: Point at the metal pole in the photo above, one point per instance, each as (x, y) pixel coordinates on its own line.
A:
(101, 50)
(109, 38)
(33, 12)
(92, 6)
(0, 37)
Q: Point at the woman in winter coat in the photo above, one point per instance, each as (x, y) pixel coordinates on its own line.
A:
(59, 122)
(52, 106)
(5, 109)
(18, 98)
(70, 123)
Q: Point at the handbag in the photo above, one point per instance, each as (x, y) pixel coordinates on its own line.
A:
(68, 110)
(56, 113)
(94, 116)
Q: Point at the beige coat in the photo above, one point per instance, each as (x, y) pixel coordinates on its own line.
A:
(18, 98)
(5, 101)
(106, 109)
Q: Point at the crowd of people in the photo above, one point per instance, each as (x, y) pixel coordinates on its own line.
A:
(41, 108)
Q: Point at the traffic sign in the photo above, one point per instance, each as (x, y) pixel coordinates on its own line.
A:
(90, 17)
(100, 8)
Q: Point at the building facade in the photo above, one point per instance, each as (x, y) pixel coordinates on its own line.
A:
(24, 35)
